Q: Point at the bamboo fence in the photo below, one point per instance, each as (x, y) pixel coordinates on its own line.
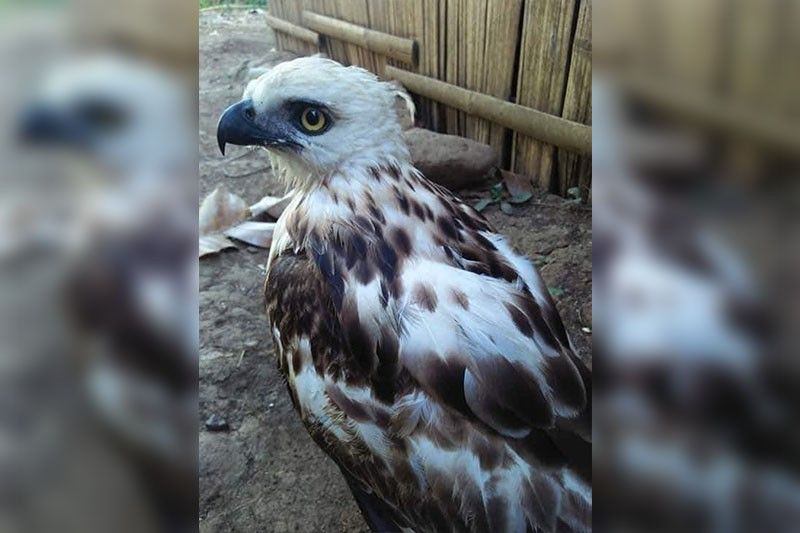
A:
(728, 67)
(516, 73)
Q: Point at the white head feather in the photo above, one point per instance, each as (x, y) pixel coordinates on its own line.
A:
(365, 130)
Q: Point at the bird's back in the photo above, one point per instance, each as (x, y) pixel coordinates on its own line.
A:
(428, 360)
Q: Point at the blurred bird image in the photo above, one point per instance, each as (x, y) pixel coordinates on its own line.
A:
(119, 221)
(423, 354)
(695, 430)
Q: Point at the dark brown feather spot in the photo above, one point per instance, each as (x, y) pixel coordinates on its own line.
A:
(447, 227)
(297, 362)
(402, 202)
(446, 379)
(520, 320)
(460, 298)
(401, 240)
(354, 410)
(358, 340)
(425, 296)
(565, 381)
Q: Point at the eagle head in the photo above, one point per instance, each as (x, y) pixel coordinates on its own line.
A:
(316, 117)
(118, 113)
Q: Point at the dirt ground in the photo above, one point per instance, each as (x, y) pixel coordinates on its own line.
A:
(265, 473)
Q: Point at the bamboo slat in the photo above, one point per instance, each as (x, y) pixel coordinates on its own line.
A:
(574, 170)
(404, 50)
(337, 49)
(290, 11)
(379, 14)
(714, 113)
(691, 40)
(429, 58)
(502, 37)
(547, 128)
(452, 65)
(547, 26)
(519, 51)
(474, 48)
(295, 31)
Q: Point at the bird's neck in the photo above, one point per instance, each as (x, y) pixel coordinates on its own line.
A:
(328, 169)
(370, 190)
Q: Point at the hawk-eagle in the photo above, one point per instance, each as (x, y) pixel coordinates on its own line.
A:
(424, 355)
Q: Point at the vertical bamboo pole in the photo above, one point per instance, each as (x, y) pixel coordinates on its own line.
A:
(292, 10)
(378, 20)
(443, 33)
(502, 37)
(474, 46)
(415, 29)
(276, 11)
(429, 56)
(574, 170)
(337, 48)
(355, 11)
(547, 29)
(451, 55)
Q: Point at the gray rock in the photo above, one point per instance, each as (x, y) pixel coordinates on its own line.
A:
(216, 423)
(449, 160)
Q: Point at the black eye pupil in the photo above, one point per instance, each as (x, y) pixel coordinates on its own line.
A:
(312, 117)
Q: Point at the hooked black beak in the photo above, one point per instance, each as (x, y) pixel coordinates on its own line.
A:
(239, 125)
(41, 125)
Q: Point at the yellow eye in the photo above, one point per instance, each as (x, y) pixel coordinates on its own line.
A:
(313, 120)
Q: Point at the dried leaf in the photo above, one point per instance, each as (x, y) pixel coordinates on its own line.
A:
(220, 210)
(506, 208)
(211, 244)
(482, 204)
(496, 191)
(556, 292)
(254, 233)
(271, 205)
(574, 192)
(521, 198)
(516, 183)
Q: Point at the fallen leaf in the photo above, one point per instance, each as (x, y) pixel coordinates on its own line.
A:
(271, 205)
(506, 208)
(496, 191)
(211, 244)
(521, 198)
(516, 183)
(220, 210)
(254, 233)
(556, 292)
(574, 192)
(482, 204)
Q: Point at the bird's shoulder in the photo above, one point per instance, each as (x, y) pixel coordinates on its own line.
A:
(448, 300)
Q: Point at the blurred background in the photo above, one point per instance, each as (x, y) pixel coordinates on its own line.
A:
(696, 144)
(98, 270)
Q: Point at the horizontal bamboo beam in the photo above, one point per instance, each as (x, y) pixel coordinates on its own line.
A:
(398, 48)
(550, 129)
(706, 110)
(299, 32)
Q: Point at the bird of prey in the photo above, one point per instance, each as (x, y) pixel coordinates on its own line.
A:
(423, 354)
(116, 215)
